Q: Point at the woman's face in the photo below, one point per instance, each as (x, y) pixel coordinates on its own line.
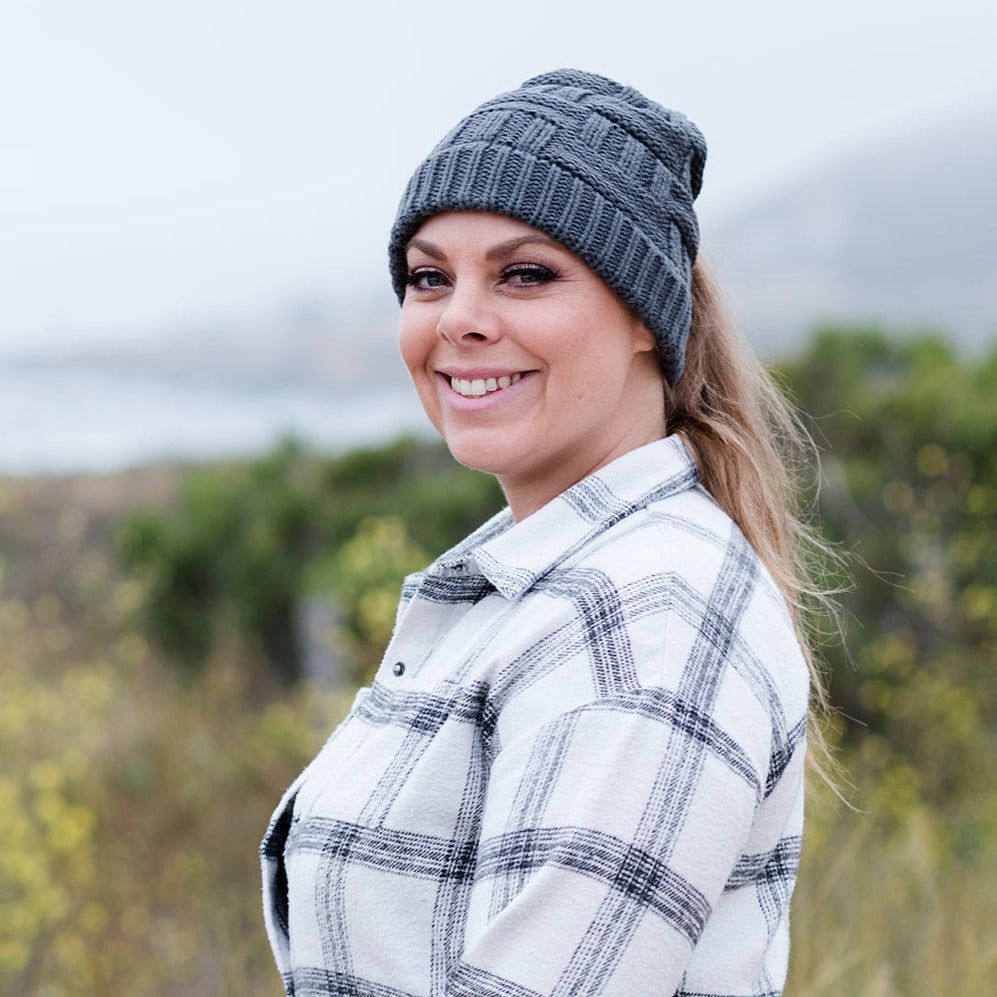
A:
(553, 371)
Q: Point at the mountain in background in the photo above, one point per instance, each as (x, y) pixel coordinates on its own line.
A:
(903, 235)
(306, 344)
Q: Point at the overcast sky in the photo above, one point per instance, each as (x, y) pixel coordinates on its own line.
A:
(166, 162)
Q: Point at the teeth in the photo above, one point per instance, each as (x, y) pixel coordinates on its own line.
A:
(483, 386)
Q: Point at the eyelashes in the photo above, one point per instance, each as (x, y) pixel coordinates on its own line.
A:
(536, 273)
(533, 273)
(414, 277)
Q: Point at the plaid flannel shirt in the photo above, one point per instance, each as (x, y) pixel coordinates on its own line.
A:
(578, 770)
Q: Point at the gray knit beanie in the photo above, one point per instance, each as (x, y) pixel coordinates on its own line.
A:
(596, 165)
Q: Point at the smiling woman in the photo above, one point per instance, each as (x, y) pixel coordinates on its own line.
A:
(580, 767)
(589, 388)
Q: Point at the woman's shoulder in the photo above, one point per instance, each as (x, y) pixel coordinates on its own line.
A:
(686, 534)
(683, 566)
(666, 618)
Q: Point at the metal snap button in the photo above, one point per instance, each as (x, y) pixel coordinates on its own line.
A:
(399, 667)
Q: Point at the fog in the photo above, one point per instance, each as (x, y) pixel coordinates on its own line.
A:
(169, 162)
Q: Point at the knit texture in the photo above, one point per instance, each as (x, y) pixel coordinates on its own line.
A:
(597, 166)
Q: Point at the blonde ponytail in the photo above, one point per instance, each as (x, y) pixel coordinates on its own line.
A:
(755, 457)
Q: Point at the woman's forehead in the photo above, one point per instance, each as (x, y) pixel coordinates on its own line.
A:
(473, 225)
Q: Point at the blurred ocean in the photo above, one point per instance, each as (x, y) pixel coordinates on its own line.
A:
(69, 418)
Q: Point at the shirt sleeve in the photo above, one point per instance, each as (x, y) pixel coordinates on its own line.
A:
(612, 821)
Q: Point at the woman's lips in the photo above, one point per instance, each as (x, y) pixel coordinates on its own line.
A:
(493, 399)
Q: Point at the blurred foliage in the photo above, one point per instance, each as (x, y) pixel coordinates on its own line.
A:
(363, 576)
(884, 905)
(149, 717)
(911, 487)
(230, 554)
(122, 790)
(242, 544)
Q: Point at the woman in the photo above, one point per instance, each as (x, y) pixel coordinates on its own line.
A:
(580, 766)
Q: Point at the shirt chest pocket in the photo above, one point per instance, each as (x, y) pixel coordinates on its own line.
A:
(413, 760)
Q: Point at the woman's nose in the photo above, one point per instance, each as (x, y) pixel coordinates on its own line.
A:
(467, 318)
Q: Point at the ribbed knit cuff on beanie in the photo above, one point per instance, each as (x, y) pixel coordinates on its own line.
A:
(596, 165)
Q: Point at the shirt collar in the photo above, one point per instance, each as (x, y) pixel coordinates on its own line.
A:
(514, 556)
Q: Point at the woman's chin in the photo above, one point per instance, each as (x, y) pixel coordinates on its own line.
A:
(476, 450)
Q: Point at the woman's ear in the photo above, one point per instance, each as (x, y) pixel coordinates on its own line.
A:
(643, 338)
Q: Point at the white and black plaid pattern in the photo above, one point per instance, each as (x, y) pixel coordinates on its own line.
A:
(587, 779)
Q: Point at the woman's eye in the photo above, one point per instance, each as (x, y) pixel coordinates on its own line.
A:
(529, 275)
(518, 276)
(424, 280)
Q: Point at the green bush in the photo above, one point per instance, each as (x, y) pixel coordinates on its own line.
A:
(241, 545)
(910, 485)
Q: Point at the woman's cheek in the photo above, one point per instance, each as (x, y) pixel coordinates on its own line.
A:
(413, 351)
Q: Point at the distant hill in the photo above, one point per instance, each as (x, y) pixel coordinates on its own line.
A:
(904, 234)
(310, 344)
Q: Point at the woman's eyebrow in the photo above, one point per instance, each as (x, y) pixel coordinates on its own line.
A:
(504, 248)
(496, 252)
(428, 248)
